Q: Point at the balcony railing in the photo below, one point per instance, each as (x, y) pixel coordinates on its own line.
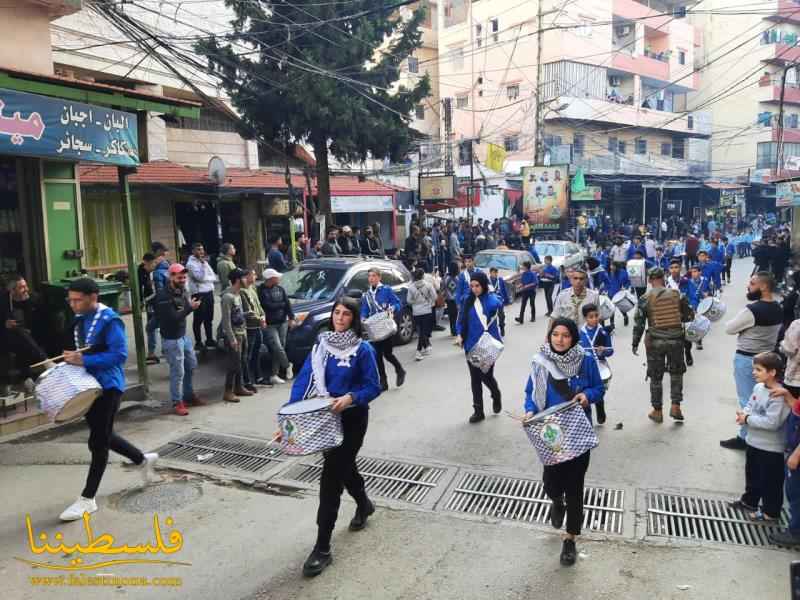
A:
(650, 165)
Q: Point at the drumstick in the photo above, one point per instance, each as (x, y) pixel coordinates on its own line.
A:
(59, 357)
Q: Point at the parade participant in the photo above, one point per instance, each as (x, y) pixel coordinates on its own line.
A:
(661, 260)
(19, 314)
(711, 270)
(617, 281)
(647, 265)
(479, 314)
(571, 301)
(729, 250)
(255, 323)
(463, 289)
(765, 415)
(147, 294)
(173, 305)
(681, 285)
(717, 253)
(563, 372)
(449, 285)
(548, 279)
(529, 281)
(234, 334)
(343, 367)
(201, 286)
(756, 326)
(665, 311)
(100, 328)
(380, 297)
(497, 285)
(634, 247)
(422, 299)
(618, 253)
(691, 247)
(596, 340)
(225, 265)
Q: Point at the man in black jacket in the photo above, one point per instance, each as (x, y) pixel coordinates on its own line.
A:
(279, 317)
(17, 318)
(173, 305)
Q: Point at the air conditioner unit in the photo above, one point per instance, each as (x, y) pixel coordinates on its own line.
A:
(614, 81)
(623, 30)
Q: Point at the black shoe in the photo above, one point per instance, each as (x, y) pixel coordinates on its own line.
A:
(699, 345)
(547, 314)
(533, 320)
(497, 405)
(601, 413)
(689, 360)
(557, 511)
(568, 553)
(477, 417)
(786, 538)
(503, 332)
(518, 320)
(401, 377)
(438, 328)
(211, 344)
(359, 520)
(735, 443)
(316, 563)
(251, 387)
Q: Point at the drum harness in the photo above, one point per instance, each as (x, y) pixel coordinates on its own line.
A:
(101, 308)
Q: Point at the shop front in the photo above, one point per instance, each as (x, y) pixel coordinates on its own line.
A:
(359, 204)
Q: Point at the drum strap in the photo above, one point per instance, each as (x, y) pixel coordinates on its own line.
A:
(101, 308)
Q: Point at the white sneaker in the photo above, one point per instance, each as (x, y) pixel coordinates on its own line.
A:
(418, 355)
(76, 510)
(426, 351)
(148, 467)
(289, 372)
(275, 380)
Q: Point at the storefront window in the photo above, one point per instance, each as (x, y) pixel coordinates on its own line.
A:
(11, 254)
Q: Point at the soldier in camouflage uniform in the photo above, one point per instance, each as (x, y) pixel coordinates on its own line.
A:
(665, 311)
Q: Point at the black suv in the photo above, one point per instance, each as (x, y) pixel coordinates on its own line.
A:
(314, 284)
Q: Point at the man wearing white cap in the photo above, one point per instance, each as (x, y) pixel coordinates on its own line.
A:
(279, 316)
(569, 302)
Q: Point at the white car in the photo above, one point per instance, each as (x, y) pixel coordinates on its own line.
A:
(561, 251)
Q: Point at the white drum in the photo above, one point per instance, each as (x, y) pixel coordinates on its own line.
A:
(309, 426)
(380, 326)
(605, 370)
(66, 392)
(712, 308)
(606, 308)
(697, 329)
(625, 301)
(637, 273)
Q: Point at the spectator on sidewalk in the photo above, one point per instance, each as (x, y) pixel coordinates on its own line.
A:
(449, 286)
(173, 305)
(422, 298)
(225, 265)
(201, 286)
(279, 317)
(255, 324)
(275, 257)
(160, 275)
(147, 294)
(331, 246)
(19, 315)
(234, 334)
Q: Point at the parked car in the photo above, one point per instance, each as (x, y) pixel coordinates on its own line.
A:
(313, 285)
(508, 263)
(561, 251)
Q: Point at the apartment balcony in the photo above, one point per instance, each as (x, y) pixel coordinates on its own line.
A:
(644, 66)
(618, 112)
(58, 8)
(769, 90)
(778, 53)
(781, 11)
(634, 11)
(648, 165)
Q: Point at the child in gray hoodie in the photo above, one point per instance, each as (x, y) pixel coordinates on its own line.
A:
(765, 416)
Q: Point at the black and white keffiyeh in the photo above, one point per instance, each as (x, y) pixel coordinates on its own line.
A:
(548, 363)
(343, 345)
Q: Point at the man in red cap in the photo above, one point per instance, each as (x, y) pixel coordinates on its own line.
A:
(173, 305)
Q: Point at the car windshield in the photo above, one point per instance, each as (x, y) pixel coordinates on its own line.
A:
(311, 282)
(550, 249)
(504, 261)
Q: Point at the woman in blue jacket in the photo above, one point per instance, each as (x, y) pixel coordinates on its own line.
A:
(562, 372)
(470, 328)
(343, 367)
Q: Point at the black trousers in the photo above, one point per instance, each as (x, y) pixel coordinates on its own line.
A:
(340, 472)
(477, 380)
(385, 352)
(424, 324)
(20, 342)
(452, 314)
(763, 475)
(727, 272)
(527, 296)
(204, 317)
(237, 374)
(547, 288)
(102, 439)
(564, 483)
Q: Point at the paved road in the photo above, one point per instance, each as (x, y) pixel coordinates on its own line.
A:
(244, 543)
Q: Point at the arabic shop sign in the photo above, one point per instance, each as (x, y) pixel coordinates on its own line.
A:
(35, 125)
(591, 193)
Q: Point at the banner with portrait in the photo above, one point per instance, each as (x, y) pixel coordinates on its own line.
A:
(544, 196)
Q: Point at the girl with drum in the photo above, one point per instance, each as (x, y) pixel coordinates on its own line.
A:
(479, 315)
(562, 372)
(343, 367)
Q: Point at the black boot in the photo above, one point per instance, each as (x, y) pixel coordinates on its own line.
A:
(317, 562)
(689, 359)
(497, 404)
(359, 520)
(384, 384)
(401, 377)
(477, 416)
(568, 553)
(601, 412)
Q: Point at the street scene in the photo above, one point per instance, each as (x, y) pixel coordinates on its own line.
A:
(365, 299)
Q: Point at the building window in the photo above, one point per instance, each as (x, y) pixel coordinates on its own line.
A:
(641, 146)
(690, 122)
(458, 58)
(681, 57)
(584, 29)
(791, 121)
(210, 120)
(678, 148)
(479, 35)
(666, 149)
(613, 144)
(464, 153)
(578, 144)
(622, 147)
(420, 112)
(495, 27)
(512, 91)
(511, 143)
(413, 64)
(551, 141)
(462, 101)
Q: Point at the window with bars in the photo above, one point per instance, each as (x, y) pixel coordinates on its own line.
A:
(511, 143)
(512, 91)
(622, 147)
(641, 146)
(666, 149)
(210, 120)
(613, 144)
(495, 27)
(462, 101)
(681, 57)
(678, 148)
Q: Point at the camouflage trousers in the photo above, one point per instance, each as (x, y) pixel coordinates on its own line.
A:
(665, 356)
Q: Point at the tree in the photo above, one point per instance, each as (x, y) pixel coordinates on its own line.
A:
(323, 73)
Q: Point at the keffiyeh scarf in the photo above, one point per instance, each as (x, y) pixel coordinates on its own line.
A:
(342, 345)
(549, 363)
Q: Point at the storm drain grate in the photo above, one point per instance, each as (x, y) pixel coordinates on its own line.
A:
(225, 451)
(385, 478)
(525, 500)
(709, 519)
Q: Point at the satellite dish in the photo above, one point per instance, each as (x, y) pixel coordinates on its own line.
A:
(216, 170)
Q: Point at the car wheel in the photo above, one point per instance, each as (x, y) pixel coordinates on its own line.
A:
(405, 327)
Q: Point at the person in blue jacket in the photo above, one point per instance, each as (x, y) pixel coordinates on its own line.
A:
(548, 279)
(618, 280)
(729, 249)
(698, 287)
(377, 298)
(533, 252)
(717, 252)
(462, 289)
(470, 328)
(562, 372)
(530, 282)
(661, 259)
(712, 270)
(596, 340)
(636, 246)
(100, 329)
(161, 272)
(497, 285)
(598, 277)
(342, 367)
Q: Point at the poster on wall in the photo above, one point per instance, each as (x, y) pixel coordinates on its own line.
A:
(544, 196)
(787, 194)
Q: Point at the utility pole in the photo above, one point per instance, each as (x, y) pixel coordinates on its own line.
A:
(539, 152)
(779, 150)
(448, 135)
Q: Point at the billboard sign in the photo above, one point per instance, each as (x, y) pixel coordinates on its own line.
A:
(437, 188)
(591, 193)
(544, 196)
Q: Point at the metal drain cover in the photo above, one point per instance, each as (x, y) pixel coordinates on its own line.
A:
(386, 478)
(225, 451)
(707, 519)
(162, 498)
(525, 500)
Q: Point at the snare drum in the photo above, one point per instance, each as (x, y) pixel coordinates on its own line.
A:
(637, 272)
(66, 392)
(697, 329)
(605, 370)
(380, 326)
(561, 433)
(606, 308)
(712, 308)
(309, 426)
(625, 301)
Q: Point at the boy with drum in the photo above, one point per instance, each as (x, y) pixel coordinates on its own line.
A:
(100, 328)
(596, 341)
